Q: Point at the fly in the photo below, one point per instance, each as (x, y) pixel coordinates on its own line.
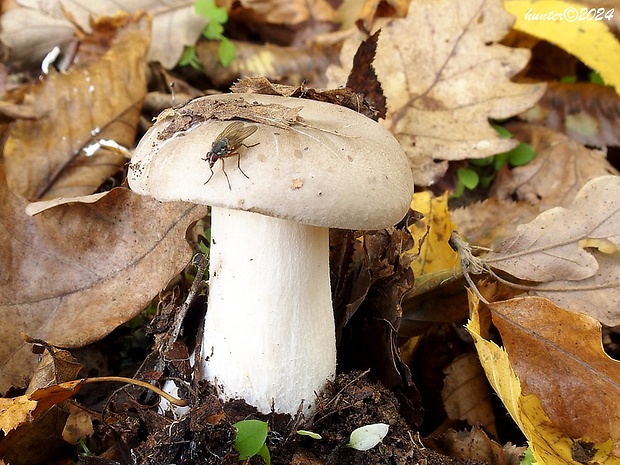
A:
(226, 145)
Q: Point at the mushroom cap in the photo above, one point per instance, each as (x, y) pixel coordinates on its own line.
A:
(337, 169)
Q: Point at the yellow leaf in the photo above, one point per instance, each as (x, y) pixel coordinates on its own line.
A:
(550, 445)
(561, 23)
(435, 229)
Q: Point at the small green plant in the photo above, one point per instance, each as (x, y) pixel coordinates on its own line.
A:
(251, 439)
(312, 434)
(86, 447)
(481, 172)
(214, 30)
(528, 457)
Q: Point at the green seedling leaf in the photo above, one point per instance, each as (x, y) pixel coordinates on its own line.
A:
(568, 79)
(208, 9)
(264, 453)
(226, 51)
(250, 438)
(312, 434)
(521, 155)
(482, 161)
(468, 177)
(213, 30)
(502, 131)
(596, 78)
(367, 437)
(189, 58)
(500, 160)
(528, 457)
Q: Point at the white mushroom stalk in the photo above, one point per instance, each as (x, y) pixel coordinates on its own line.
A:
(269, 331)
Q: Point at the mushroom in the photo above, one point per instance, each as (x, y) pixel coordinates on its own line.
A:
(269, 334)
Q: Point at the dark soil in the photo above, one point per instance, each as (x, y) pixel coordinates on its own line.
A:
(206, 436)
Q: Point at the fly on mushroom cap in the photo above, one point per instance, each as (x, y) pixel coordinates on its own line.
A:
(343, 168)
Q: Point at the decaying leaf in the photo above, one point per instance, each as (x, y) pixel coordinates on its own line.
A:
(558, 356)
(586, 112)
(552, 423)
(183, 117)
(562, 166)
(344, 96)
(76, 272)
(79, 425)
(475, 444)
(31, 33)
(444, 75)
(49, 157)
(466, 395)
(488, 223)
(370, 274)
(284, 64)
(548, 248)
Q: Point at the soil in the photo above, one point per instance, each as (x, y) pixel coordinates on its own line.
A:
(205, 435)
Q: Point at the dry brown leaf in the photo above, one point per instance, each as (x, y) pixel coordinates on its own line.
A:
(476, 445)
(588, 113)
(548, 441)
(31, 33)
(373, 9)
(558, 356)
(74, 273)
(549, 249)
(286, 65)
(488, 223)
(597, 296)
(284, 12)
(562, 166)
(46, 158)
(466, 394)
(79, 425)
(444, 75)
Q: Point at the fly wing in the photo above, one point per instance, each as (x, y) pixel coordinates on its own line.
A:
(235, 133)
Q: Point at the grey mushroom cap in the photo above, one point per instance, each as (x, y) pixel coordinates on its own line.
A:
(338, 169)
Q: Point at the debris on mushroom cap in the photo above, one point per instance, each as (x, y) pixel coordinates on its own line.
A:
(331, 167)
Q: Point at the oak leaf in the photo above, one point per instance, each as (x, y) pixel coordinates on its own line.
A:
(444, 74)
(561, 168)
(549, 248)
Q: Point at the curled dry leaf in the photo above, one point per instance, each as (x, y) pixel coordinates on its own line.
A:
(76, 272)
(592, 387)
(549, 248)
(444, 75)
(369, 279)
(562, 166)
(47, 157)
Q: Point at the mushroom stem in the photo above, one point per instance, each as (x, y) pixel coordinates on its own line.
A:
(269, 330)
